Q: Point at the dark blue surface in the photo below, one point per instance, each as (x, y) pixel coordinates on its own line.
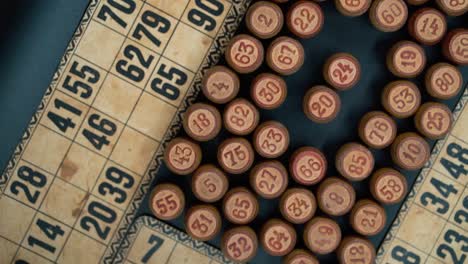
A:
(35, 34)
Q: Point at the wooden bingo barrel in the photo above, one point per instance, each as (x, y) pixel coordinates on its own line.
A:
(352, 8)
(202, 122)
(410, 151)
(269, 179)
(388, 15)
(277, 237)
(268, 91)
(307, 165)
(401, 98)
(321, 104)
(264, 19)
(455, 46)
(443, 80)
(453, 7)
(203, 222)
(367, 217)
(342, 71)
(354, 161)
(235, 155)
(285, 55)
(167, 201)
(182, 156)
(300, 256)
(406, 59)
(271, 139)
(244, 53)
(335, 196)
(240, 206)
(322, 235)
(377, 129)
(240, 117)
(354, 249)
(427, 26)
(239, 244)
(388, 186)
(209, 184)
(220, 85)
(298, 205)
(305, 19)
(433, 120)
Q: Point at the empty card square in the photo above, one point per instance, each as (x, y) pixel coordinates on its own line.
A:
(134, 151)
(81, 167)
(117, 98)
(99, 45)
(190, 56)
(64, 202)
(46, 149)
(152, 116)
(15, 219)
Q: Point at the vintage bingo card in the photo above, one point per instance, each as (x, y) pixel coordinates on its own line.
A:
(432, 225)
(152, 241)
(78, 176)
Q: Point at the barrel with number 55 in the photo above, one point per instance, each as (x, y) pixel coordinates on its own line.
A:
(167, 201)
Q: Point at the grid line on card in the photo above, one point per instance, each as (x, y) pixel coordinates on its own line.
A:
(462, 140)
(170, 254)
(126, 81)
(109, 114)
(35, 253)
(181, 17)
(83, 146)
(150, 225)
(50, 216)
(162, 56)
(116, 141)
(442, 173)
(36, 211)
(51, 90)
(445, 220)
(452, 215)
(406, 243)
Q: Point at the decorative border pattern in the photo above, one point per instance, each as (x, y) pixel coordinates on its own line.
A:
(175, 234)
(402, 212)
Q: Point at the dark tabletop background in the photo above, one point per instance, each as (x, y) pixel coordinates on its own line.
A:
(35, 33)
